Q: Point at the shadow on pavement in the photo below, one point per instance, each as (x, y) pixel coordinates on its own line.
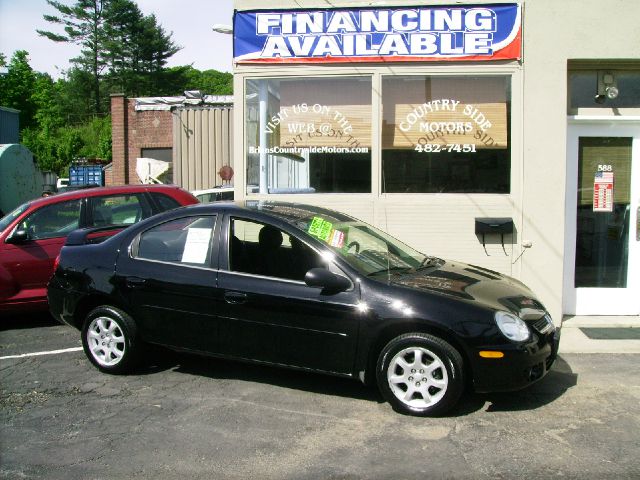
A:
(546, 391)
(560, 379)
(20, 321)
(222, 369)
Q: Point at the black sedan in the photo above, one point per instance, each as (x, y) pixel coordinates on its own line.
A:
(307, 288)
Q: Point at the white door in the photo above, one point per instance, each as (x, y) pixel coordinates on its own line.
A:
(602, 260)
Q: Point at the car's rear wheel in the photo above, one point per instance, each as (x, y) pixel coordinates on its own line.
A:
(420, 374)
(109, 339)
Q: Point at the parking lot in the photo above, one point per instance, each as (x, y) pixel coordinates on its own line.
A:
(192, 417)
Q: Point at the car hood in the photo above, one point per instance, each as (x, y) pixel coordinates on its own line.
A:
(473, 283)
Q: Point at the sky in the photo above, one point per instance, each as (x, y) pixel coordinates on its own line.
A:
(189, 20)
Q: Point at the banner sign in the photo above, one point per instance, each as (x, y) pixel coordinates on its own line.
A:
(470, 33)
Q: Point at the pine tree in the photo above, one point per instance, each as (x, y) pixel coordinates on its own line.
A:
(85, 25)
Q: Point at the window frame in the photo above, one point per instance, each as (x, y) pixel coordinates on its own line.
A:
(214, 244)
(512, 69)
(297, 75)
(508, 77)
(225, 251)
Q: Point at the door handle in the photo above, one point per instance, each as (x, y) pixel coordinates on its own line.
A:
(135, 282)
(638, 225)
(235, 298)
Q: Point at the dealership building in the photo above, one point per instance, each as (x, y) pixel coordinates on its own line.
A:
(504, 135)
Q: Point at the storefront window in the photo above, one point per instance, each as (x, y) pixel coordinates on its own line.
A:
(446, 134)
(308, 135)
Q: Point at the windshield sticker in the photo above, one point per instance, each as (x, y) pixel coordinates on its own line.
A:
(337, 239)
(320, 228)
(314, 226)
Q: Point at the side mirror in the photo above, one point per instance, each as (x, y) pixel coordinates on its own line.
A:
(19, 236)
(323, 278)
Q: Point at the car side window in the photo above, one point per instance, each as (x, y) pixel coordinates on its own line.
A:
(263, 249)
(184, 241)
(118, 210)
(165, 202)
(51, 221)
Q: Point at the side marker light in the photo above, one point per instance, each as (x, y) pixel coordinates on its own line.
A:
(491, 354)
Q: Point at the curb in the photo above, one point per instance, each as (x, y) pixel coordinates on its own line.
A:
(573, 340)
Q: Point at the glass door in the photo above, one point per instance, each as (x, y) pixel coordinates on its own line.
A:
(604, 160)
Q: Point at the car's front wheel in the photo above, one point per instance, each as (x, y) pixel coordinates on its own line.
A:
(420, 374)
(109, 339)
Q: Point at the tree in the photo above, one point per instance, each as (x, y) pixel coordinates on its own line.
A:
(84, 24)
(138, 50)
(46, 98)
(17, 86)
(49, 139)
(212, 82)
(55, 150)
(119, 44)
(45, 128)
(156, 49)
(75, 96)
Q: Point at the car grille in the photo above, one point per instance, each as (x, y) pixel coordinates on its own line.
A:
(543, 325)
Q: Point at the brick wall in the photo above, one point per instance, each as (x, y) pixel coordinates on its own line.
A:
(131, 132)
(118, 141)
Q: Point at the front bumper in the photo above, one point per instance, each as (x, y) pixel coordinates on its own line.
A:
(521, 366)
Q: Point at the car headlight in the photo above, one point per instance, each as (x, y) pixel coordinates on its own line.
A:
(512, 326)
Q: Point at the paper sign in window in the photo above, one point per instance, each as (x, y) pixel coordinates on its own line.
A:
(603, 192)
(197, 245)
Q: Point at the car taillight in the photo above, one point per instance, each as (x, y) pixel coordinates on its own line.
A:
(56, 262)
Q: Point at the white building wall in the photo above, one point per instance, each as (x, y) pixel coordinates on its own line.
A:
(443, 225)
(554, 33)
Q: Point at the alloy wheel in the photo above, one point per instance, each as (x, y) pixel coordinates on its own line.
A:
(417, 377)
(106, 341)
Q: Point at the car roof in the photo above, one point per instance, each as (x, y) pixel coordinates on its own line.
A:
(289, 212)
(218, 188)
(98, 191)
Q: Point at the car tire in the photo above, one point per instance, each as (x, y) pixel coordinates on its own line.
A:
(109, 339)
(420, 374)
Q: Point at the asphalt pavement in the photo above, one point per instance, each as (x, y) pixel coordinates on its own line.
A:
(185, 416)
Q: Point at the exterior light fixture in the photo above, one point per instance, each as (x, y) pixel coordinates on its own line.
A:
(607, 87)
(612, 92)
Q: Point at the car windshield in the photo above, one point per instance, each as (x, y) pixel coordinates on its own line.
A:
(369, 250)
(10, 217)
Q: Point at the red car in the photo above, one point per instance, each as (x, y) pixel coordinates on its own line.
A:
(32, 235)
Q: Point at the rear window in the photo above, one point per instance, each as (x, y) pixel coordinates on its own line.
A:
(182, 241)
(119, 210)
(164, 202)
